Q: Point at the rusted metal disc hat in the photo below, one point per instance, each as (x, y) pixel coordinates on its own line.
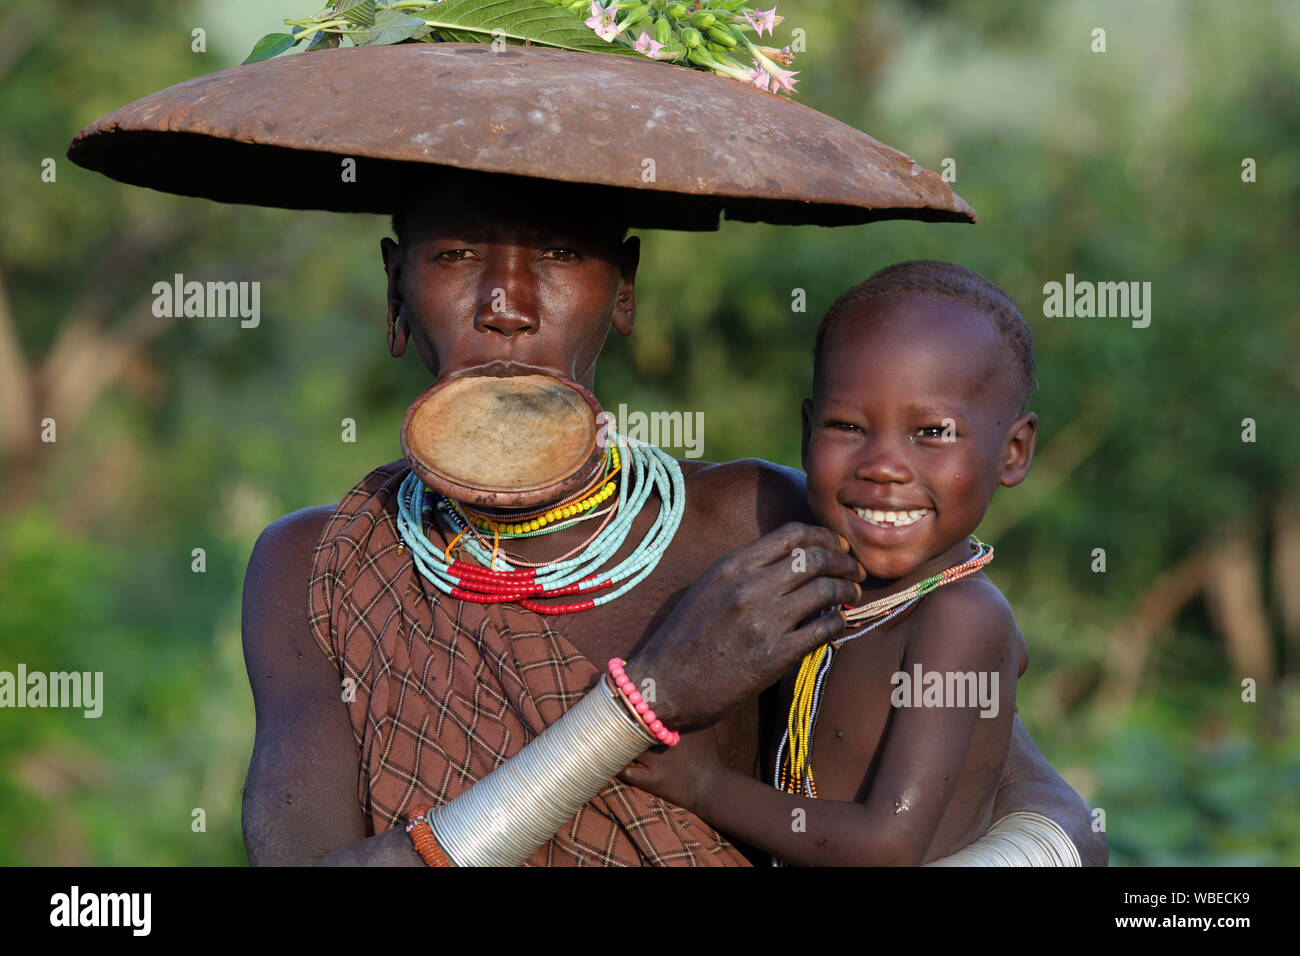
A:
(681, 146)
(665, 146)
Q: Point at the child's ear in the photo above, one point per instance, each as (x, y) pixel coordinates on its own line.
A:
(1019, 451)
(806, 413)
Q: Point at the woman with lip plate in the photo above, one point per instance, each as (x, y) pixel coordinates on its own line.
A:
(525, 602)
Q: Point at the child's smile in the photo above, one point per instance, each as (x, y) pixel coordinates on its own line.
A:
(891, 519)
(876, 527)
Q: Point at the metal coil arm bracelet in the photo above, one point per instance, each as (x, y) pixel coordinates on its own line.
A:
(1018, 839)
(504, 818)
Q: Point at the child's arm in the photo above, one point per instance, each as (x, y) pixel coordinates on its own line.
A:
(925, 751)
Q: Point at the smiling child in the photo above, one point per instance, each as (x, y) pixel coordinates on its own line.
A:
(918, 414)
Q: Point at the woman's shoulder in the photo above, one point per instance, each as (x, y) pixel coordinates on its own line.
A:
(750, 496)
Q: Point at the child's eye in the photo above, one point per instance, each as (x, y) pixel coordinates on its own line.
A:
(842, 426)
(936, 431)
(559, 254)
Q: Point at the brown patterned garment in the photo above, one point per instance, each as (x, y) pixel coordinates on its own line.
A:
(444, 693)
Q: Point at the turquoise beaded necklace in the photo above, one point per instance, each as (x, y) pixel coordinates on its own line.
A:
(644, 469)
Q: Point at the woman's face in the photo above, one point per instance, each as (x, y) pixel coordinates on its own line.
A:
(490, 274)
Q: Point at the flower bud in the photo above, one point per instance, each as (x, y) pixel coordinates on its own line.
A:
(675, 51)
(663, 30)
(703, 19)
(701, 58)
(722, 36)
(692, 38)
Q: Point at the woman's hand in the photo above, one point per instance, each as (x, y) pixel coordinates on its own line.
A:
(755, 611)
(680, 774)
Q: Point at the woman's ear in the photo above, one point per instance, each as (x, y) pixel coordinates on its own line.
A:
(1018, 453)
(625, 306)
(398, 329)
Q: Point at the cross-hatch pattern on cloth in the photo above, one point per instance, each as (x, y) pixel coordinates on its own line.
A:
(439, 702)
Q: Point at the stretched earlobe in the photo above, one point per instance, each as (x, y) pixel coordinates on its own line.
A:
(398, 334)
(398, 330)
(625, 307)
(625, 313)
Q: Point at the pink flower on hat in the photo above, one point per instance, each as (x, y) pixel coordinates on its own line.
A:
(602, 21)
(647, 44)
(783, 79)
(759, 19)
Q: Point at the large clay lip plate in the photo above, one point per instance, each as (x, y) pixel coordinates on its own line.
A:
(514, 441)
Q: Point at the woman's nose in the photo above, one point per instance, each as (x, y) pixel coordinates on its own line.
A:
(507, 321)
(508, 299)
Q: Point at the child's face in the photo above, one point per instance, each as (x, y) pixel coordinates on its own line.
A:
(912, 416)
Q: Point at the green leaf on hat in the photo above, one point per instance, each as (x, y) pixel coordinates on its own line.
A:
(390, 26)
(273, 44)
(360, 12)
(521, 21)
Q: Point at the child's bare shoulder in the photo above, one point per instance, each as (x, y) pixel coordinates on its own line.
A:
(968, 620)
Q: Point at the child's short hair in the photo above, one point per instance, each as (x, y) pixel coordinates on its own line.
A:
(949, 281)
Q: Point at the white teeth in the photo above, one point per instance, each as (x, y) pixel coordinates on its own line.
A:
(892, 519)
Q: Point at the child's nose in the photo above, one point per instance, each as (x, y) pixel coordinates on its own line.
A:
(882, 463)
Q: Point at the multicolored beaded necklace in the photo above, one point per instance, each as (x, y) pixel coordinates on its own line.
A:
(527, 524)
(643, 468)
(794, 756)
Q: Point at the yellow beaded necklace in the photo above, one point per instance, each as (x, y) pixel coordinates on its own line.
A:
(794, 756)
(526, 523)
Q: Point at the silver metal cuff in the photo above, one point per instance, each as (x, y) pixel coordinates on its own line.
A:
(1018, 839)
(504, 818)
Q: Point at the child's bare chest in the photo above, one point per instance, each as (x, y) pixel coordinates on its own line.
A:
(854, 712)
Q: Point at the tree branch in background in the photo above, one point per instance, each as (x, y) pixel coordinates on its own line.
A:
(1234, 591)
(1227, 568)
(1286, 578)
(17, 396)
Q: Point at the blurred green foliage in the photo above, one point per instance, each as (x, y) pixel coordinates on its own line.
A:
(1117, 166)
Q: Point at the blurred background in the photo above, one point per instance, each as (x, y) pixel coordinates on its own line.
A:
(176, 434)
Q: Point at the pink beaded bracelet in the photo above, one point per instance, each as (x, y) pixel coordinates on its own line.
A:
(634, 699)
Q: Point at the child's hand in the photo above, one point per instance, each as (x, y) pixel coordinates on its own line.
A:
(681, 774)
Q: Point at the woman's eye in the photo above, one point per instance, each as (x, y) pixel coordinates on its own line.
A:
(455, 255)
